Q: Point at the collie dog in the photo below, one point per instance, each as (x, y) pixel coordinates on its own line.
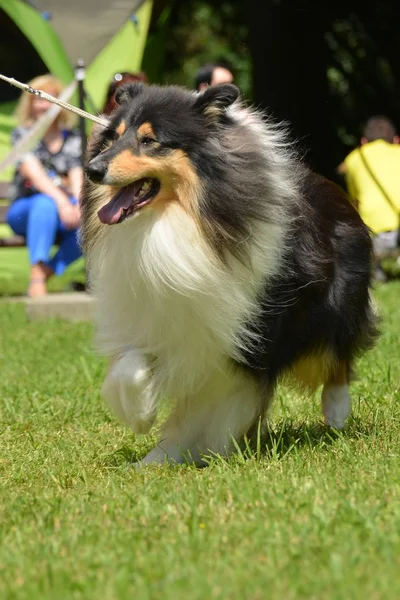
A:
(220, 265)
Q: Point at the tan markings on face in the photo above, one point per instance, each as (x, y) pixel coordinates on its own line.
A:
(179, 180)
(311, 371)
(125, 167)
(121, 128)
(146, 130)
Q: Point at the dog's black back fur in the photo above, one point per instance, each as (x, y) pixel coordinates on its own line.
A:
(321, 299)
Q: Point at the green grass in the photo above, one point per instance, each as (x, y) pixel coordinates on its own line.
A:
(308, 514)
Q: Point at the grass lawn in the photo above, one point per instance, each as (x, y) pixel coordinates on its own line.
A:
(311, 514)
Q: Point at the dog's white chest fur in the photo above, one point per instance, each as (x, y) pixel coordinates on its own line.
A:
(162, 292)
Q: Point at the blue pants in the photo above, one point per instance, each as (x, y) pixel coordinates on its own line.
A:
(36, 218)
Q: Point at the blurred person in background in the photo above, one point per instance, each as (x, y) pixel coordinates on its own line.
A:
(212, 74)
(46, 187)
(118, 80)
(372, 173)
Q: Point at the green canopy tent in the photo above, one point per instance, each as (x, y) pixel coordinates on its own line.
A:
(51, 36)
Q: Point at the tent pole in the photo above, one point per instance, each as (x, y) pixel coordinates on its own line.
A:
(80, 73)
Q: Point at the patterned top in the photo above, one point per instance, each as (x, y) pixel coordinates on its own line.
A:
(56, 164)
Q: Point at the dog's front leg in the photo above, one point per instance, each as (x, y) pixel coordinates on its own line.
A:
(224, 409)
(128, 392)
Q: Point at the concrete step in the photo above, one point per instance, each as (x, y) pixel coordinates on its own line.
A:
(72, 306)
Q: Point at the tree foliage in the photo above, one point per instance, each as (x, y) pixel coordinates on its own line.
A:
(323, 67)
(190, 34)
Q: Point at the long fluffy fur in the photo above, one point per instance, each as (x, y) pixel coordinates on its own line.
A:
(225, 284)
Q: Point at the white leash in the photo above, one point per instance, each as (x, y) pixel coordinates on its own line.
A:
(70, 107)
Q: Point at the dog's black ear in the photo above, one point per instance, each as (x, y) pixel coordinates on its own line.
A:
(128, 92)
(214, 100)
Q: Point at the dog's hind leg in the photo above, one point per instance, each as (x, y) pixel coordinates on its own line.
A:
(227, 407)
(336, 401)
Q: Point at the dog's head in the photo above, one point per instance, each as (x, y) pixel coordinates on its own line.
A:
(150, 152)
(169, 155)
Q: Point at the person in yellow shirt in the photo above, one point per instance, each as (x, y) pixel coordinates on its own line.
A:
(372, 173)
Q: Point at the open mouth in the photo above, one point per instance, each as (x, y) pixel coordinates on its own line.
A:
(129, 200)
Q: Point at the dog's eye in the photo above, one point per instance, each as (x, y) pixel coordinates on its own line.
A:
(147, 141)
(110, 135)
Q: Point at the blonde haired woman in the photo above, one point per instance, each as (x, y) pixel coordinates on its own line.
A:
(46, 188)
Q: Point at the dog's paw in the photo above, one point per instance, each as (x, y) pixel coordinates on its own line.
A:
(126, 390)
(165, 453)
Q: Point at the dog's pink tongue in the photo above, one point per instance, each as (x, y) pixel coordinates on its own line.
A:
(111, 212)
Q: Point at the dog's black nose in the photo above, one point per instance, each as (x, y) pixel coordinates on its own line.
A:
(96, 170)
